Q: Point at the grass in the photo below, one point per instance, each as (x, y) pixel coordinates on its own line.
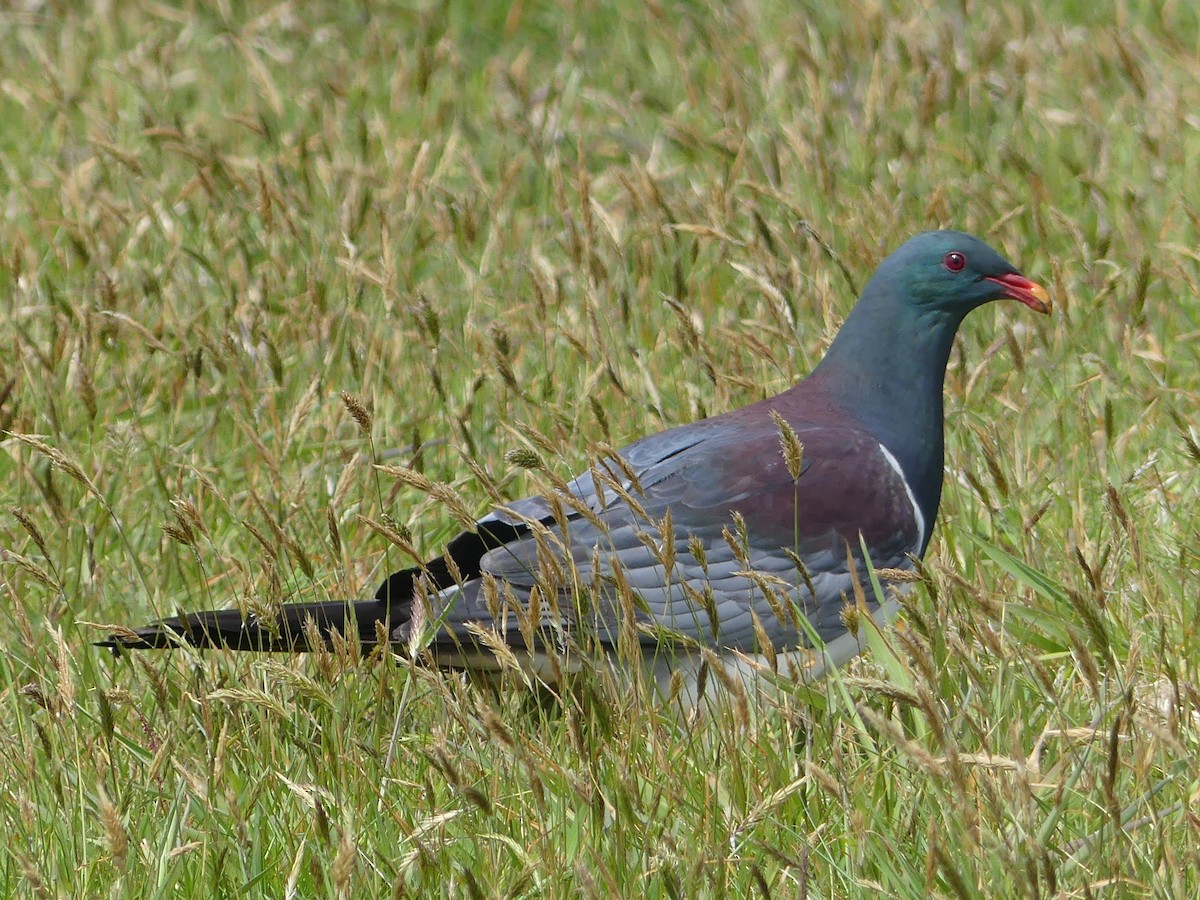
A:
(539, 228)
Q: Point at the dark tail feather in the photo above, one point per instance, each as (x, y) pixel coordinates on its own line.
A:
(226, 628)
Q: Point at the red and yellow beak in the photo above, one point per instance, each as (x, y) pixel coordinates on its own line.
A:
(1032, 294)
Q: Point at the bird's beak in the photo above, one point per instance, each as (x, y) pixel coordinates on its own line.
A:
(1018, 287)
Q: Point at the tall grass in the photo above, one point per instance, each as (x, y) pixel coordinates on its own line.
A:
(542, 228)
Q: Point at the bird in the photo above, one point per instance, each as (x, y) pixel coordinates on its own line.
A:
(744, 538)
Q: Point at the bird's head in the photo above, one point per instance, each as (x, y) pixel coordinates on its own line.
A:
(951, 272)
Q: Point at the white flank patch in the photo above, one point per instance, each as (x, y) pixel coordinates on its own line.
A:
(895, 464)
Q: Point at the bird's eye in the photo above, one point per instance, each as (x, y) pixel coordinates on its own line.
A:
(955, 261)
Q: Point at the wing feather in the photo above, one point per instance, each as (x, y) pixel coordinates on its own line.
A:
(730, 497)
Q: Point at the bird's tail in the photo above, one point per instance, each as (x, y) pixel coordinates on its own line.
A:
(290, 631)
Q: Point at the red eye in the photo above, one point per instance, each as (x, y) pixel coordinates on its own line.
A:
(955, 261)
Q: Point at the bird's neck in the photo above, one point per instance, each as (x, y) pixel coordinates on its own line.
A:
(886, 369)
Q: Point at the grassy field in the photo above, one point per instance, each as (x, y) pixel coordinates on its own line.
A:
(538, 227)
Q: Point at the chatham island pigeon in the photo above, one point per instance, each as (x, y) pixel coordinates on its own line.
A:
(738, 539)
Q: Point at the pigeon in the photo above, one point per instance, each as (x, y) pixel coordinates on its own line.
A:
(745, 538)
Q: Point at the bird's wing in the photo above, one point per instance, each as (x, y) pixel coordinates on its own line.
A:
(738, 525)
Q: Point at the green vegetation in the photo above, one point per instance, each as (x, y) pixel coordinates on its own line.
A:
(540, 227)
